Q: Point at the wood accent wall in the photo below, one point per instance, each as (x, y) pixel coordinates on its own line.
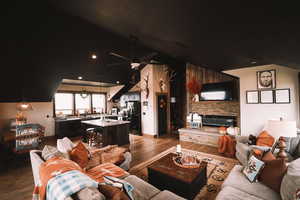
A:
(203, 75)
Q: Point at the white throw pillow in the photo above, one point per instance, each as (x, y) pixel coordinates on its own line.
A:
(65, 145)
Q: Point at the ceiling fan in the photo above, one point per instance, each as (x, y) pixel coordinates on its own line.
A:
(135, 63)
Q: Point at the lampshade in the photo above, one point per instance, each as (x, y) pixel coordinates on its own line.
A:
(283, 128)
(24, 106)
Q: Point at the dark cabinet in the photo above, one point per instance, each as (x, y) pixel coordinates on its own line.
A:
(118, 134)
(68, 128)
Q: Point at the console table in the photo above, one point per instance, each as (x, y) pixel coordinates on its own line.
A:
(199, 136)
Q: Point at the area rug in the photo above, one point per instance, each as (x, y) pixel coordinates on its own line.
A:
(218, 169)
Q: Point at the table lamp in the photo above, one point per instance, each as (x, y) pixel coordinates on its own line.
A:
(21, 107)
(279, 129)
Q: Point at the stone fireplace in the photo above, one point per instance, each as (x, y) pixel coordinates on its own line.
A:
(216, 113)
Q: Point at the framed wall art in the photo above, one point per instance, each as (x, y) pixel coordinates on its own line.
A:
(283, 96)
(266, 96)
(266, 79)
(252, 97)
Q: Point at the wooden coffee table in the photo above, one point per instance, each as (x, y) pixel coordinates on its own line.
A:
(185, 182)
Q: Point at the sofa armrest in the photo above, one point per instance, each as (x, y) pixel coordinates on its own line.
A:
(242, 139)
(36, 161)
(243, 149)
(126, 164)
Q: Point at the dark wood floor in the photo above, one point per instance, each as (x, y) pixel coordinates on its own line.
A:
(16, 180)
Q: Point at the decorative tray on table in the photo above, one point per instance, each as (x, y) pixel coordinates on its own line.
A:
(187, 161)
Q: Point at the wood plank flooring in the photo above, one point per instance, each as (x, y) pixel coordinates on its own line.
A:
(16, 180)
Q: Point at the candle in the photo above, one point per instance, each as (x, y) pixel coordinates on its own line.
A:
(178, 148)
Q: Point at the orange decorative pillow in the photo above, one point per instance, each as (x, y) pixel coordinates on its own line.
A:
(257, 153)
(80, 155)
(268, 156)
(265, 139)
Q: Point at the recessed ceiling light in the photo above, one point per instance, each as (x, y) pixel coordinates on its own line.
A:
(79, 77)
(94, 56)
(117, 82)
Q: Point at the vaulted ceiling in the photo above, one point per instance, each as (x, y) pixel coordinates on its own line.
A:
(214, 34)
(45, 41)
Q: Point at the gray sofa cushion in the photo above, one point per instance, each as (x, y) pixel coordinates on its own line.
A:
(292, 144)
(237, 179)
(230, 193)
(142, 190)
(166, 195)
(291, 181)
(296, 153)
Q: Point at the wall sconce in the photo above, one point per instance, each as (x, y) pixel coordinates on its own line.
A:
(173, 99)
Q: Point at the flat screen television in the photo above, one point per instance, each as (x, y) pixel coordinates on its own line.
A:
(222, 91)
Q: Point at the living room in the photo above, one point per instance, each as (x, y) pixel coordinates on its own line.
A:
(149, 106)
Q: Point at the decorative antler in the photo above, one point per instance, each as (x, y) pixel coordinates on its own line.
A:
(170, 73)
(147, 86)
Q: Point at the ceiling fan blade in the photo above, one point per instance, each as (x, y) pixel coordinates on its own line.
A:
(119, 56)
(148, 57)
(117, 64)
(151, 62)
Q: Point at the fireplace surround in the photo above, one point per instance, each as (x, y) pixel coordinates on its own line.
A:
(219, 120)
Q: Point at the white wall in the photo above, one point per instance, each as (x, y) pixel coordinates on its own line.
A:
(147, 112)
(254, 116)
(149, 120)
(37, 115)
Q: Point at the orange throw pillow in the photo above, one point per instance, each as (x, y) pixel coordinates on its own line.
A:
(265, 139)
(80, 155)
(268, 156)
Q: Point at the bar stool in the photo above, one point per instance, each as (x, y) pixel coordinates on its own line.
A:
(94, 137)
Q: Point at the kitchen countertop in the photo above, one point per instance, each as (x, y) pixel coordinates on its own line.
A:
(105, 123)
(88, 117)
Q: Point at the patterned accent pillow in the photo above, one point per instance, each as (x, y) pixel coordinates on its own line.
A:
(50, 151)
(252, 169)
(64, 145)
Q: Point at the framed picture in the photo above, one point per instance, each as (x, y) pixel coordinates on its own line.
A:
(252, 97)
(266, 79)
(283, 96)
(266, 96)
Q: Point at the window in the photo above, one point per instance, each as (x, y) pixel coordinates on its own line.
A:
(83, 105)
(98, 101)
(63, 103)
(67, 103)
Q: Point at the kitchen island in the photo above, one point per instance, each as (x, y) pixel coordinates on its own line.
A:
(113, 131)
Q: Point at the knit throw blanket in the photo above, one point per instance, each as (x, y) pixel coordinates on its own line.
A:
(68, 183)
(58, 166)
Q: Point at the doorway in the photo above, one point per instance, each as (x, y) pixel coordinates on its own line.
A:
(162, 117)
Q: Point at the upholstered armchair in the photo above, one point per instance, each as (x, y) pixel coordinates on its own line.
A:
(243, 150)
